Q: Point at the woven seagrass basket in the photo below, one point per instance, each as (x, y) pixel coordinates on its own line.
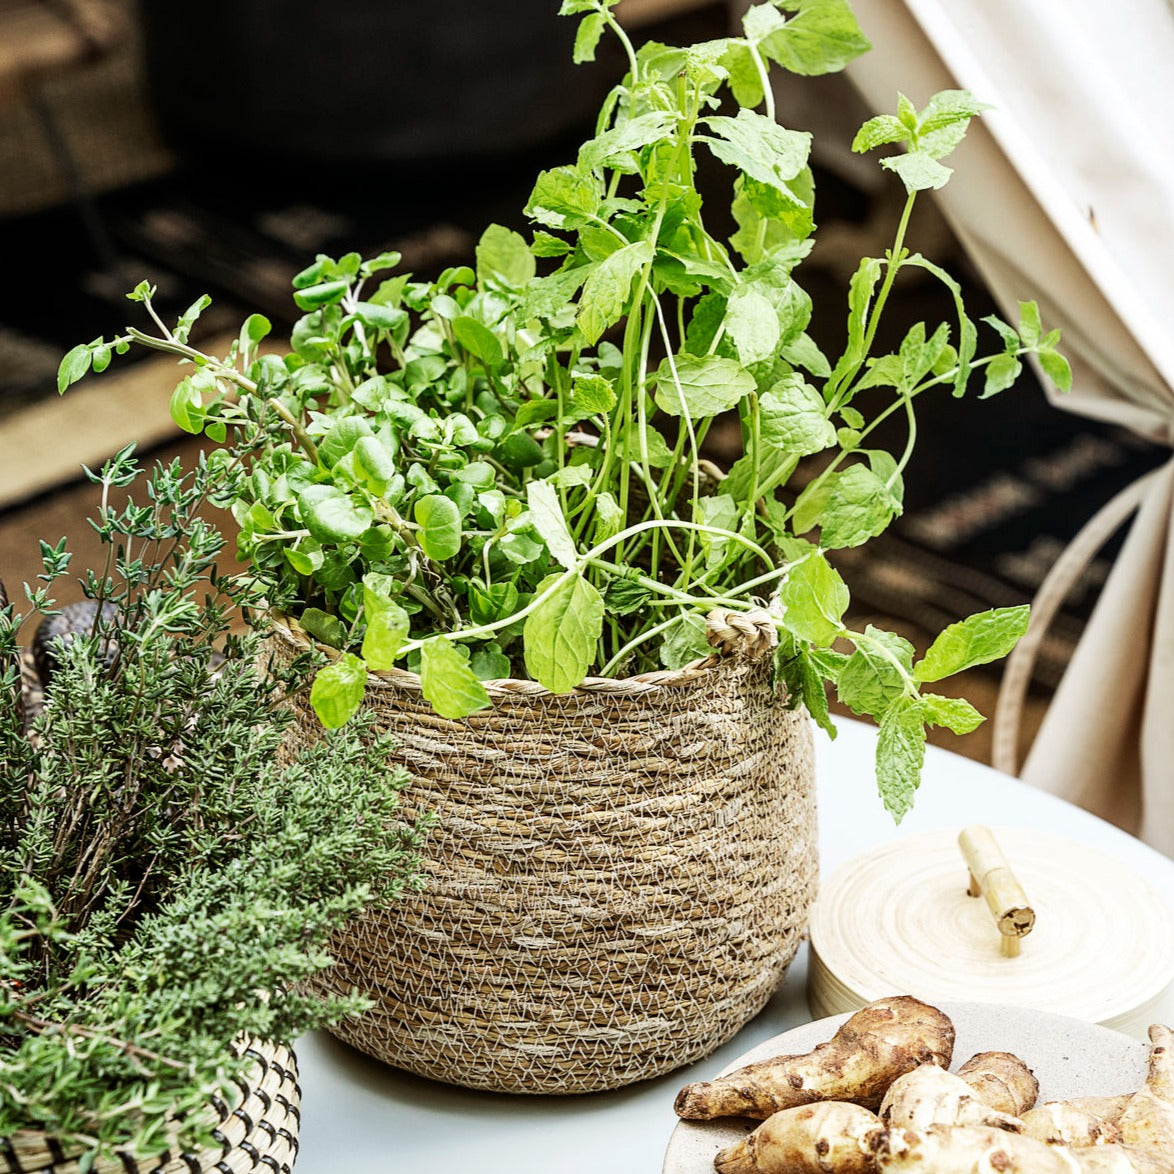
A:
(257, 1131)
(617, 881)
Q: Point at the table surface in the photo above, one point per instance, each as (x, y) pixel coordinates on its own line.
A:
(359, 1116)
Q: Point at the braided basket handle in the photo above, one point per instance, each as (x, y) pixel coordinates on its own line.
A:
(749, 635)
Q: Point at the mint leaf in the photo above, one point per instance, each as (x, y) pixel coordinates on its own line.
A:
(814, 598)
(702, 387)
(759, 148)
(439, 519)
(610, 147)
(793, 418)
(875, 675)
(752, 325)
(447, 682)
(805, 684)
(878, 131)
(605, 292)
(685, 642)
(859, 507)
(1001, 373)
(918, 170)
(860, 291)
(822, 37)
(337, 691)
(942, 125)
(1030, 327)
(980, 639)
(561, 633)
(900, 755)
(564, 197)
(503, 254)
(592, 395)
(1056, 368)
(587, 37)
(955, 713)
(546, 515)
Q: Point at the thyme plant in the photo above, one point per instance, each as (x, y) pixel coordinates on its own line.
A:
(501, 472)
(165, 886)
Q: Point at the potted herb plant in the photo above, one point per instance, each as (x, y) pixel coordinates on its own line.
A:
(166, 890)
(486, 499)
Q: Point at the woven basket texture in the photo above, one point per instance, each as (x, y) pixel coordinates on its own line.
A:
(617, 881)
(257, 1131)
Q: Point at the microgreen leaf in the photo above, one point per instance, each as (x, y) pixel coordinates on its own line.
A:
(331, 515)
(504, 256)
(387, 627)
(685, 642)
(447, 680)
(547, 518)
(561, 632)
(440, 526)
(337, 691)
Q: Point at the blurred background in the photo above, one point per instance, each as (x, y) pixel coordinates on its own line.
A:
(218, 148)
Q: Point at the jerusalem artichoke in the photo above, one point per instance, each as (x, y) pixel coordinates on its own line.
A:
(876, 1045)
(1062, 1123)
(809, 1139)
(1148, 1119)
(977, 1149)
(930, 1095)
(1001, 1080)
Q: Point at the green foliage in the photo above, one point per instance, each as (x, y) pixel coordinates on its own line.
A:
(513, 449)
(165, 886)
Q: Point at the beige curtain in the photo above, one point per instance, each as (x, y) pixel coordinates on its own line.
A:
(1065, 192)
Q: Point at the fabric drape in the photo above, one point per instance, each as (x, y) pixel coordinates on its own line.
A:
(1064, 193)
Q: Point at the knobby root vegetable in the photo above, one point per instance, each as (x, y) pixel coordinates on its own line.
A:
(1001, 1080)
(978, 1149)
(1062, 1123)
(876, 1045)
(930, 1095)
(1148, 1119)
(810, 1139)
(1108, 1109)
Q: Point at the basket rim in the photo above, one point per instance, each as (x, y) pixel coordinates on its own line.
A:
(288, 629)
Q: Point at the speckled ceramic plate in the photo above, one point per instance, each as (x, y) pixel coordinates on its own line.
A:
(1070, 1058)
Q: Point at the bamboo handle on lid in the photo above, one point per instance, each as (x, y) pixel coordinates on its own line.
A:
(991, 878)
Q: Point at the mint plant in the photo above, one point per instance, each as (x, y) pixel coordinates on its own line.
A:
(501, 472)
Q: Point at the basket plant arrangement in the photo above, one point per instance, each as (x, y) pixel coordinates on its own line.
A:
(486, 499)
(165, 889)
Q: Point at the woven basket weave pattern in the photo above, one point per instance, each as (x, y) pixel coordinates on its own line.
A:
(618, 878)
(257, 1131)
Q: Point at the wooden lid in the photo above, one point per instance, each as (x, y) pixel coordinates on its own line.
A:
(899, 919)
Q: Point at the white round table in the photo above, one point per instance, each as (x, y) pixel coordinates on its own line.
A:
(361, 1117)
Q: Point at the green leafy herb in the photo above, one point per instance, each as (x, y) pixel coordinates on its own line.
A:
(515, 448)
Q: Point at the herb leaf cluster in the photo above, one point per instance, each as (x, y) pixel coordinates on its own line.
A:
(501, 472)
(165, 886)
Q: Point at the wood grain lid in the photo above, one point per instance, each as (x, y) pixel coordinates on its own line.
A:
(899, 918)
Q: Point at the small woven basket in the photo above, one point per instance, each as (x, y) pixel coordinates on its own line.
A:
(618, 878)
(256, 1131)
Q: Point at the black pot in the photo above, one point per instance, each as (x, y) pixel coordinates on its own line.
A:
(365, 82)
